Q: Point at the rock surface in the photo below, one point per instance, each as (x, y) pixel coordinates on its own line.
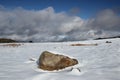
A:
(50, 61)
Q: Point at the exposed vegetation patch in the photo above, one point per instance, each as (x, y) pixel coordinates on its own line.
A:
(12, 45)
(78, 44)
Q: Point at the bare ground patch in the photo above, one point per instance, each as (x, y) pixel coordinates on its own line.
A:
(12, 45)
(78, 44)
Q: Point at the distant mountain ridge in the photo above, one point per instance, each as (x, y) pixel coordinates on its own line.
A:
(107, 37)
(5, 40)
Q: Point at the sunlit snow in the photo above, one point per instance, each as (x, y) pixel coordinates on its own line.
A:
(101, 62)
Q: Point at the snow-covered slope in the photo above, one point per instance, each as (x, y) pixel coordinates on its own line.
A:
(100, 62)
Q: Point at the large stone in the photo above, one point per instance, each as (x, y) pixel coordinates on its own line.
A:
(50, 61)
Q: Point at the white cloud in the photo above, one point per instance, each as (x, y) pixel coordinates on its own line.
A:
(47, 25)
(107, 22)
(36, 25)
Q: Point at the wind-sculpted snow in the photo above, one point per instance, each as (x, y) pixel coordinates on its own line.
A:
(101, 62)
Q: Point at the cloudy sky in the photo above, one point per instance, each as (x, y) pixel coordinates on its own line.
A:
(59, 20)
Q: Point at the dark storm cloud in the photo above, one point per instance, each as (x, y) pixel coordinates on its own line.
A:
(47, 25)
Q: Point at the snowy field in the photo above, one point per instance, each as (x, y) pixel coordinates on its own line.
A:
(101, 62)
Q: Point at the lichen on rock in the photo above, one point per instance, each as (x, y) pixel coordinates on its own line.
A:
(50, 61)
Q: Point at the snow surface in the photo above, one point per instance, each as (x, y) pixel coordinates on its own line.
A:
(100, 62)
